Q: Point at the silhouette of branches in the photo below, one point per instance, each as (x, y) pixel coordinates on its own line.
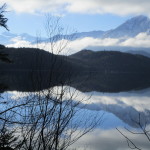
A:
(142, 126)
(49, 119)
(3, 19)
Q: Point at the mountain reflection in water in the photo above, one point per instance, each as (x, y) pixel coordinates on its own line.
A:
(119, 99)
(28, 81)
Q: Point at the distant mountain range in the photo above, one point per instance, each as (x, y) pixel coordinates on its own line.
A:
(105, 71)
(130, 28)
(9, 38)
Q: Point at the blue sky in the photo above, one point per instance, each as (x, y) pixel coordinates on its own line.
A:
(27, 16)
(31, 23)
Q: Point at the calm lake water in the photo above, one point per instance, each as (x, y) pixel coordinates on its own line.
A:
(119, 110)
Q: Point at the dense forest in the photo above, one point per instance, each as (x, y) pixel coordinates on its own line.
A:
(106, 71)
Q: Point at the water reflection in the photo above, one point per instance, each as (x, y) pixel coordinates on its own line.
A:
(85, 81)
(124, 105)
(120, 97)
(109, 140)
(120, 109)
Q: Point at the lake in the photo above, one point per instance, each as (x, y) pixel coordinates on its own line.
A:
(118, 110)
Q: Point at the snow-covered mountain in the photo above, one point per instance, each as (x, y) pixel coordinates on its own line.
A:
(93, 34)
(129, 29)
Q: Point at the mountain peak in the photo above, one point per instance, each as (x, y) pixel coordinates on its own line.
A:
(82, 53)
(131, 27)
(138, 19)
(141, 23)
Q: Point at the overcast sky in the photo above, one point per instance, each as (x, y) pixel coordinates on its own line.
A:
(27, 16)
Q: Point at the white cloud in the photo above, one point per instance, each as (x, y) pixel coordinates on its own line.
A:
(19, 42)
(139, 100)
(71, 47)
(102, 139)
(32, 6)
(123, 99)
(86, 42)
(141, 40)
(118, 7)
(109, 139)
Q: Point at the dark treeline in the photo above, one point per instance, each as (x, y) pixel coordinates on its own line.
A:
(106, 71)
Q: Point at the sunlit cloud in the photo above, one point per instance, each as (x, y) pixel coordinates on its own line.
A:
(19, 42)
(141, 40)
(78, 6)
